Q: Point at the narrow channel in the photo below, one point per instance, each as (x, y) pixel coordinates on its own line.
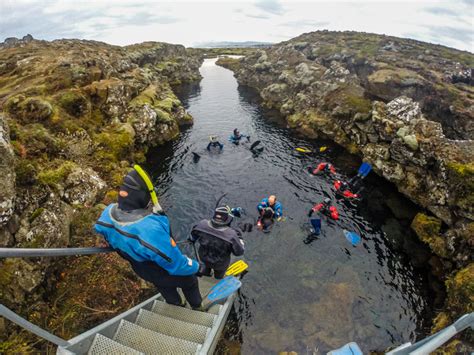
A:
(296, 297)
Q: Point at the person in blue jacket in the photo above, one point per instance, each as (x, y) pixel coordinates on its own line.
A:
(143, 237)
(268, 209)
(237, 136)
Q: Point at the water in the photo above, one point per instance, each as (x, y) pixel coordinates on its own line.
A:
(300, 297)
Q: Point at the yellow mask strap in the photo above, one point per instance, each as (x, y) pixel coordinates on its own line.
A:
(149, 185)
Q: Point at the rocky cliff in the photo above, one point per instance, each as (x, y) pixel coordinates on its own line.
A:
(404, 106)
(74, 115)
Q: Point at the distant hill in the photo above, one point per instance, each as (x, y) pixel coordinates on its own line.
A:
(246, 44)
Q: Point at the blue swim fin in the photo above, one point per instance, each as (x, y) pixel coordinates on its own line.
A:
(364, 169)
(352, 237)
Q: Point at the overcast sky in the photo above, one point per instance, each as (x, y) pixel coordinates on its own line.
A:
(122, 22)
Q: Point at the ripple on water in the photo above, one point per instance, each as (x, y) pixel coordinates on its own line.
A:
(297, 296)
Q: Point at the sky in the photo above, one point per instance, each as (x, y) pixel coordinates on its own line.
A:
(122, 22)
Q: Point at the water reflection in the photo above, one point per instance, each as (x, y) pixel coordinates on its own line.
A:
(301, 297)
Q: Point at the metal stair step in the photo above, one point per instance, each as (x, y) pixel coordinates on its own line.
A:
(103, 345)
(215, 309)
(151, 342)
(172, 327)
(184, 314)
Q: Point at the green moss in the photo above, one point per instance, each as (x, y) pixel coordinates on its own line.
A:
(147, 96)
(83, 223)
(29, 109)
(55, 176)
(460, 300)
(37, 140)
(462, 176)
(163, 116)
(36, 214)
(229, 63)
(116, 143)
(25, 172)
(6, 273)
(463, 170)
(359, 104)
(110, 197)
(168, 104)
(428, 230)
(74, 103)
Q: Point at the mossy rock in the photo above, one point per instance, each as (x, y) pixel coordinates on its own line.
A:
(428, 230)
(29, 109)
(57, 174)
(460, 289)
(462, 176)
(36, 140)
(25, 172)
(115, 142)
(74, 103)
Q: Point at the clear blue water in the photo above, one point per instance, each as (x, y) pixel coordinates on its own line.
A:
(308, 298)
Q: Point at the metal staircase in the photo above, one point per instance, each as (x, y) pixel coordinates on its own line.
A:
(155, 327)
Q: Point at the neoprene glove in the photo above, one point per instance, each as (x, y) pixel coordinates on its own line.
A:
(310, 213)
(200, 272)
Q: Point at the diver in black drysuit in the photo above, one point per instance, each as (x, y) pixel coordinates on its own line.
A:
(217, 241)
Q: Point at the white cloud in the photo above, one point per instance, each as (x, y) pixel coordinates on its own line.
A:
(126, 21)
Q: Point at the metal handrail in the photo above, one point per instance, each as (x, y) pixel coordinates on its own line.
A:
(434, 341)
(22, 322)
(37, 252)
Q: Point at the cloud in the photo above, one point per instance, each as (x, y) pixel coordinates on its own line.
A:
(271, 6)
(455, 34)
(442, 11)
(305, 23)
(258, 16)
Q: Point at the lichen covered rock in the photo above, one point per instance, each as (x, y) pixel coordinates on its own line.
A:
(79, 114)
(7, 177)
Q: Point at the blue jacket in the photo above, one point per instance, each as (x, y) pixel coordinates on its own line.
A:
(276, 208)
(147, 239)
(234, 138)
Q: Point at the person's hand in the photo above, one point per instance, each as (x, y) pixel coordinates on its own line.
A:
(310, 213)
(190, 239)
(201, 269)
(248, 138)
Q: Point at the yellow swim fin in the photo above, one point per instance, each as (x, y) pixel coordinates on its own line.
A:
(236, 268)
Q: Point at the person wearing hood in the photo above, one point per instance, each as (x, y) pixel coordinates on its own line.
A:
(323, 168)
(325, 208)
(237, 136)
(217, 241)
(214, 143)
(139, 231)
(344, 189)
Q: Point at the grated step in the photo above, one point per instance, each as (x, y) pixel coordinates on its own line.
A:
(103, 345)
(215, 309)
(151, 342)
(184, 314)
(172, 327)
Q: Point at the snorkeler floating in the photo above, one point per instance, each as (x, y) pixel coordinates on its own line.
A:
(269, 209)
(237, 136)
(214, 143)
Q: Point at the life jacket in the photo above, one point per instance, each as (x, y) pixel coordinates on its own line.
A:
(146, 239)
(331, 210)
(326, 167)
(346, 193)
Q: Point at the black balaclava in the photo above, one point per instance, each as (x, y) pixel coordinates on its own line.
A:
(133, 193)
